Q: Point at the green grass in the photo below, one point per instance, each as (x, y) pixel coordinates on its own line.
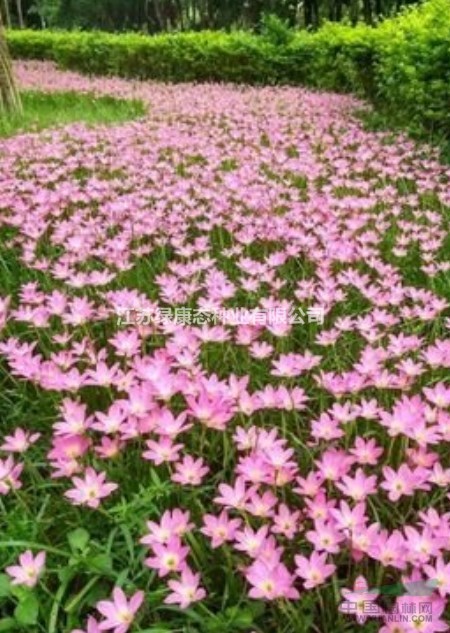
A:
(43, 110)
(388, 121)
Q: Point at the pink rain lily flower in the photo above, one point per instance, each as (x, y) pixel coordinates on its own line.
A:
(314, 570)
(90, 490)
(29, 569)
(357, 599)
(119, 612)
(19, 441)
(186, 590)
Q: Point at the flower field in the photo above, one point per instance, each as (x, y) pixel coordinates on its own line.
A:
(224, 368)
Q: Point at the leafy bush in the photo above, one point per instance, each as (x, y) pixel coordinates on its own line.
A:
(335, 58)
(413, 65)
(403, 64)
(204, 56)
(28, 44)
(276, 30)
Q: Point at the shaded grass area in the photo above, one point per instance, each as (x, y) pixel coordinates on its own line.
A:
(388, 121)
(44, 110)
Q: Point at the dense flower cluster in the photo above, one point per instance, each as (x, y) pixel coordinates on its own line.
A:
(319, 454)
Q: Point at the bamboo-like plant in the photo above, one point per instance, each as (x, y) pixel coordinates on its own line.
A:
(10, 101)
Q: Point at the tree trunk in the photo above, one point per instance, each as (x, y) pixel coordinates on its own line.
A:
(311, 13)
(315, 14)
(159, 16)
(20, 14)
(9, 96)
(180, 11)
(307, 13)
(354, 12)
(367, 11)
(7, 13)
(331, 11)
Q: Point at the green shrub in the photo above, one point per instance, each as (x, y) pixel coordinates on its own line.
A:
(403, 65)
(276, 30)
(413, 65)
(27, 44)
(335, 58)
(204, 56)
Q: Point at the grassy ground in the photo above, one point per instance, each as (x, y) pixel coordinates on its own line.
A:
(44, 110)
(384, 121)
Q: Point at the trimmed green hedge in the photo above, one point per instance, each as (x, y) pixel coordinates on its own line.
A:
(403, 64)
(321, 59)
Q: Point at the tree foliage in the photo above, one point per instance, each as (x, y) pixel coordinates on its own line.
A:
(156, 16)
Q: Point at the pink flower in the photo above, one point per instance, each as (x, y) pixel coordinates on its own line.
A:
(102, 375)
(403, 482)
(245, 439)
(109, 447)
(319, 507)
(220, 529)
(189, 471)
(92, 626)
(286, 522)
(314, 570)
(186, 590)
(75, 420)
(310, 485)
(233, 496)
(4, 305)
(349, 519)
(334, 464)
(126, 343)
(251, 541)
(261, 505)
(438, 395)
(168, 557)
(167, 424)
(356, 600)
(9, 475)
(422, 544)
(164, 450)
(359, 486)
(90, 490)
(325, 537)
(366, 452)
(112, 421)
(140, 400)
(172, 523)
(29, 569)
(119, 612)
(19, 442)
(389, 549)
(270, 582)
(213, 412)
(439, 576)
